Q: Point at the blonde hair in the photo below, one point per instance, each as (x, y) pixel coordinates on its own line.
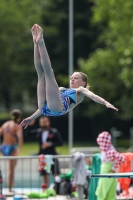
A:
(85, 79)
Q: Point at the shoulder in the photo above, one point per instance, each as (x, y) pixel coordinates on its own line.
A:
(82, 89)
(18, 127)
(38, 130)
(62, 88)
(5, 124)
(54, 130)
(38, 133)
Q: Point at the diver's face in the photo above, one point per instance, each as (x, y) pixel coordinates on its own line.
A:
(76, 80)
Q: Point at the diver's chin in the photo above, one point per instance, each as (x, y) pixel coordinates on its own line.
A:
(72, 86)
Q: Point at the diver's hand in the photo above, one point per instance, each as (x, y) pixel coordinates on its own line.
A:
(108, 105)
(26, 122)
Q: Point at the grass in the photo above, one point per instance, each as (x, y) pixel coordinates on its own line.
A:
(29, 149)
(32, 148)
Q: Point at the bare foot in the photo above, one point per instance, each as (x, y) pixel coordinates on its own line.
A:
(34, 32)
(39, 38)
(11, 191)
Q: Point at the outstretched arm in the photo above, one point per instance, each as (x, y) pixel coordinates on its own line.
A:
(96, 98)
(28, 120)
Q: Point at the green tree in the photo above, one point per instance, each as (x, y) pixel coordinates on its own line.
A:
(17, 73)
(55, 21)
(109, 67)
(16, 62)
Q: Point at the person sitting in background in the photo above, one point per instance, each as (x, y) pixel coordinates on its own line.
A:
(48, 138)
(111, 160)
(12, 135)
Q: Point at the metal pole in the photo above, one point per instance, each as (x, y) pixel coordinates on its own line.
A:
(131, 138)
(70, 115)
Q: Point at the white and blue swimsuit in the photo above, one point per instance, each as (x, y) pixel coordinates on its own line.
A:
(68, 96)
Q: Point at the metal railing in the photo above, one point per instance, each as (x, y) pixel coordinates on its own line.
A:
(27, 178)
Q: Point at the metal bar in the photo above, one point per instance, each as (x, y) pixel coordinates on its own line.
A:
(70, 115)
(115, 175)
(30, 175)
(22, 176)
(36, 157)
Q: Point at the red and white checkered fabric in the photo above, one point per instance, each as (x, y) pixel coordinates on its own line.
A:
(105, 144)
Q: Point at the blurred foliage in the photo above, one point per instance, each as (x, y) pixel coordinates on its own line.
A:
(55, 20)
(16, 59)
(109, 67)
(103, 48)
(17, 74)
(4, 116)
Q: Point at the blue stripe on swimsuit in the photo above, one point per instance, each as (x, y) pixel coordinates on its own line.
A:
(8, 149)
(68, 96)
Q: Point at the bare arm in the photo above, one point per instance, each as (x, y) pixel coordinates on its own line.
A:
(35, 115)
(2, 129)
(28, 120)
(96, 98)
(20, 137)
